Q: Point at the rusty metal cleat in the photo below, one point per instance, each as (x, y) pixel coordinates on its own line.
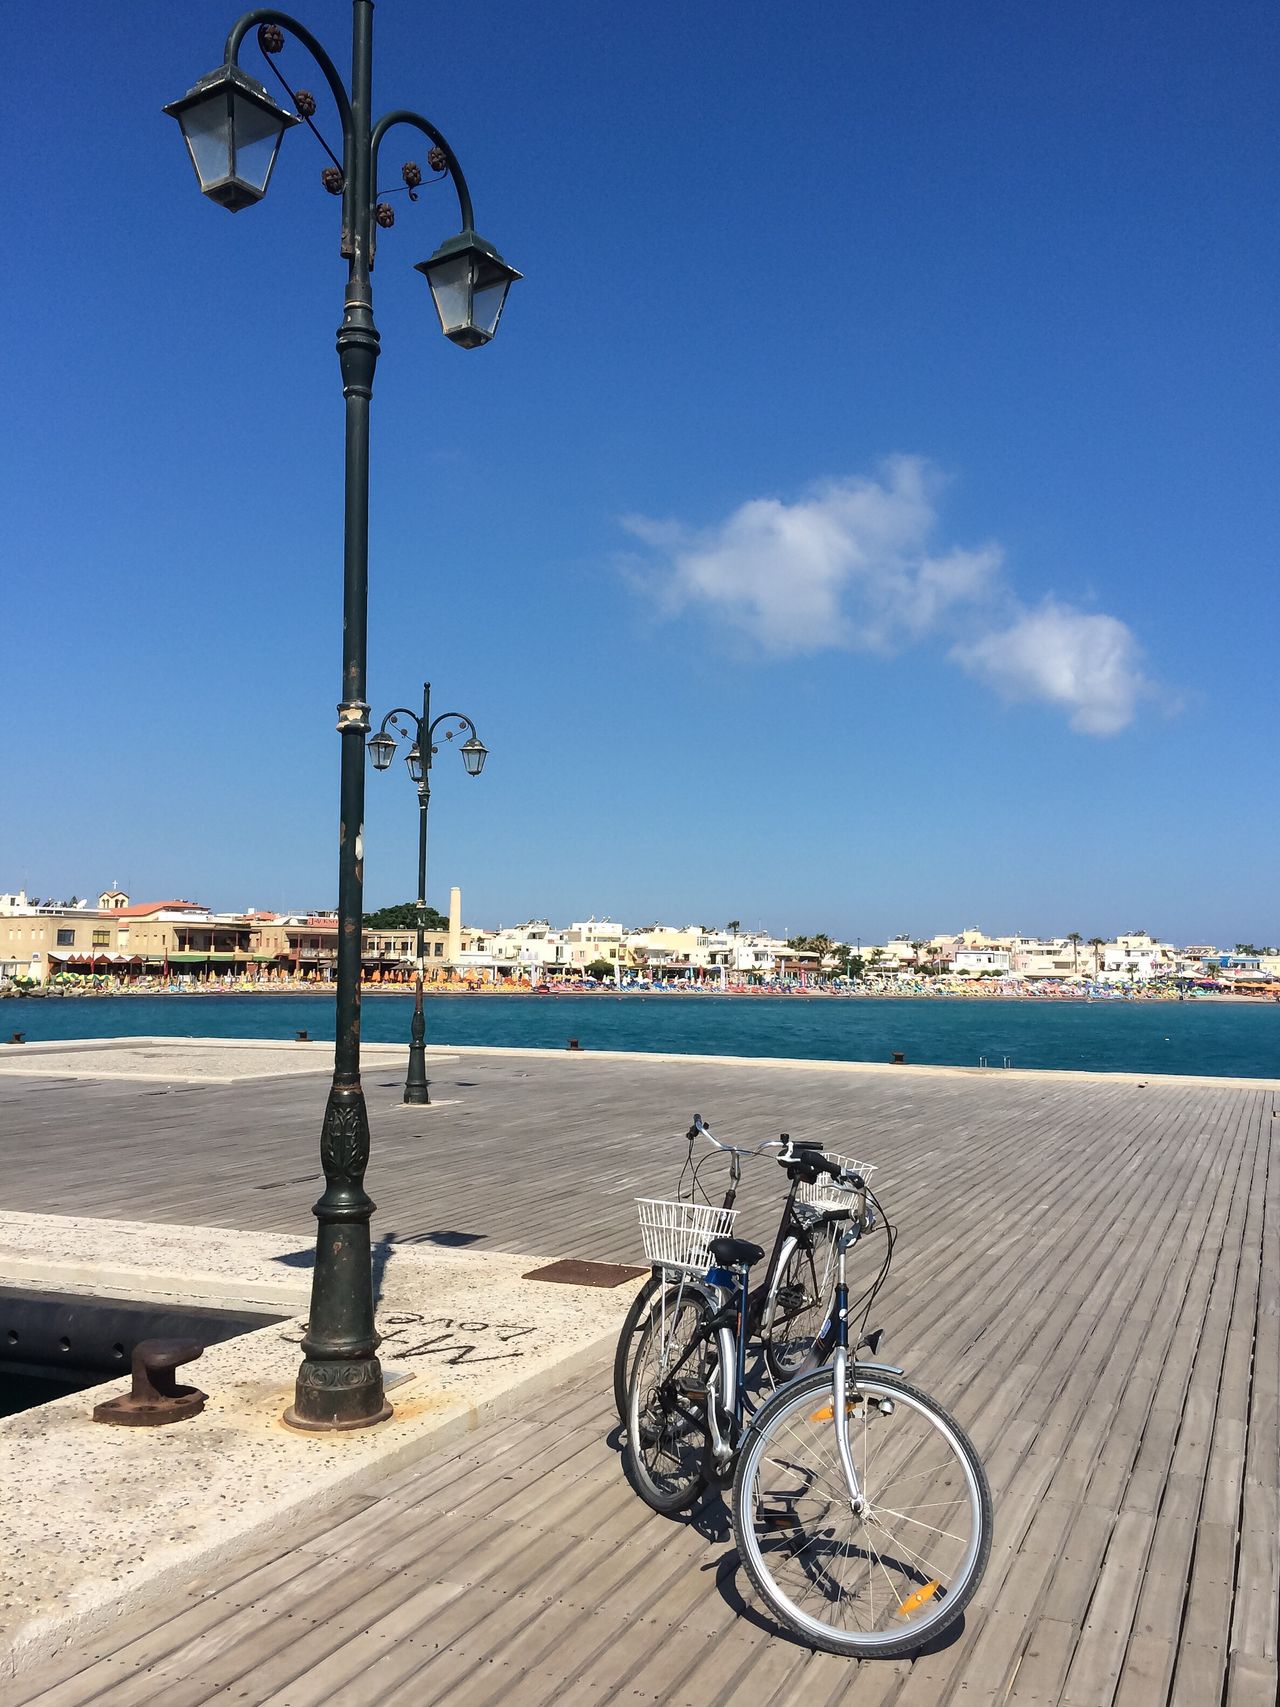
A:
(156, 1397)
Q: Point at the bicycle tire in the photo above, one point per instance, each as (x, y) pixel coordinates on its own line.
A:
(795, 1527)
(668, 1438)
(629, 1343)
(797, 1305)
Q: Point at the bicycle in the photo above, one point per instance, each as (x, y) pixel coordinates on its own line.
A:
(788, 1309)
(831, 1477)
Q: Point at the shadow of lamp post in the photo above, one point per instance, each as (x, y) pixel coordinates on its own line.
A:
(382, 749)
(232, 128)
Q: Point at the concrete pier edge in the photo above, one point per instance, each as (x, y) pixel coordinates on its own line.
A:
(382, 1054)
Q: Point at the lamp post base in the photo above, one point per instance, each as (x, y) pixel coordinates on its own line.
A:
(339, 1382)
(334, 1424)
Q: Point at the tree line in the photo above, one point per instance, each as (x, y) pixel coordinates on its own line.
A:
(404, 917)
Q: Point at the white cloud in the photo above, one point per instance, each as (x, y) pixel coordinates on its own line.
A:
(1086, 662)
(845, 566)
(853, 565)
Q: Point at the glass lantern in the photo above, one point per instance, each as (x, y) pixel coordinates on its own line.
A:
(232, 129)
(469, 282)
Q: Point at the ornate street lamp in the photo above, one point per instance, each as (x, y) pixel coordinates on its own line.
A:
(381, 750)
(233, 129)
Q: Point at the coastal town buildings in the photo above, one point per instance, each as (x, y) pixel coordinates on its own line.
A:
(153, 942)
(175, 939)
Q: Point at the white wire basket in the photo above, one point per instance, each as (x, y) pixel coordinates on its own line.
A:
(824, 1193)
(678, 1235)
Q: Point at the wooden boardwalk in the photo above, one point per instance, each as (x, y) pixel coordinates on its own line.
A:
(1087, 1277)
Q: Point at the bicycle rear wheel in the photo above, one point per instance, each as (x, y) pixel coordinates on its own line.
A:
(673, 1374)
(797, 1305)
(629, 1343)
(882, 1581)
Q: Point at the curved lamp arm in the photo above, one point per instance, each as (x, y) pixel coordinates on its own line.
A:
(403, 116)
(447, 717)
(269, 15)
(401, 711)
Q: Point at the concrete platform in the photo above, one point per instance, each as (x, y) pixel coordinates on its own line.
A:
(92, 1517)
(188, 1060)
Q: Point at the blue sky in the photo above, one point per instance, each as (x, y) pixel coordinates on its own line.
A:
(865, 519)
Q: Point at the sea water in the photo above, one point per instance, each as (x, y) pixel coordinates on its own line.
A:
(1232, 1039)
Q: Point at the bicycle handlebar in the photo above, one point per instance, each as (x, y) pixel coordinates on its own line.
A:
(798, 1153)
(700, 1129)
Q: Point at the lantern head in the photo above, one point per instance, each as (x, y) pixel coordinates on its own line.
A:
(232, 129)
(474, 753)
(382, 749)
(469, 282)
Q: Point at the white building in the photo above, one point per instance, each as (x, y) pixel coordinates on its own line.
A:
(971, 962)
(1137, 958)
(532, 950)
(1047, 957)
(594, 939)
(758, 953)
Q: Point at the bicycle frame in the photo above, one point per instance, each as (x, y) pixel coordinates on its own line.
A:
(732, 1300)
(840, 1364)
(790, 1225)
(721, 1325)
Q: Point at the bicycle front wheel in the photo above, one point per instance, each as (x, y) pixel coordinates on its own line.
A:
(672, 1381)
(876, 1582)
(797, 1305)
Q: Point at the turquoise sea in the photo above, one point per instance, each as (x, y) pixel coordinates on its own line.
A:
(1234, 1039)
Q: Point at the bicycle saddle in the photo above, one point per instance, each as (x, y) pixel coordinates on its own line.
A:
(732, 1252)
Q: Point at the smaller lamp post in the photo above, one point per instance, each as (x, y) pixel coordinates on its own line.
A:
(382, 749)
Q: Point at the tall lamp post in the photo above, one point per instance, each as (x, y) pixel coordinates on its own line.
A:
(382, 749)
(232, 128)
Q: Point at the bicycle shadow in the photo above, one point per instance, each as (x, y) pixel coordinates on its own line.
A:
(728, 1574)
(711, 1518)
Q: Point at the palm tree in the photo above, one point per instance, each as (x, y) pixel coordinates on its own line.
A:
(1075, 939)
(1097, 945)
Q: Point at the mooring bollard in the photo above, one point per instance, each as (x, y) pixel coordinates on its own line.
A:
(898, 1058)
(156, 1398)
(18, 1037)
(574, 1044)
(301, 1037)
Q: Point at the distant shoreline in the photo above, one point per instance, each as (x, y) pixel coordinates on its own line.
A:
(979, 992)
